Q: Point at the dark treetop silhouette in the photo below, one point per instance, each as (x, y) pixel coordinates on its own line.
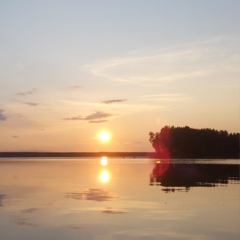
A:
(186, 142)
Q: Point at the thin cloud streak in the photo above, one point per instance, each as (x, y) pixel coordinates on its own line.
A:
(188, 62)
(32, 104)
(75, 88)
(132, 106)
(98, 121)
(74, 118)
(170, 97)
(96, 117)
(114, 101)
(30, 92)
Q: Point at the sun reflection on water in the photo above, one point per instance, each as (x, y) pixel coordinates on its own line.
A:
(104, 176)
(104, 161)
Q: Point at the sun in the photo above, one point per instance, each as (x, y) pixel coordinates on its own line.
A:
(104, 136)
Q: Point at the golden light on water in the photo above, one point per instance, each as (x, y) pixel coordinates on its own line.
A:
(104, 161)
(104, 176)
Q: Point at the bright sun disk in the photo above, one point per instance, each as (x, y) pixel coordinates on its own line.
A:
(104, 136)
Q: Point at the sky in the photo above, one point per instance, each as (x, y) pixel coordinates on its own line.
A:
(71, 69)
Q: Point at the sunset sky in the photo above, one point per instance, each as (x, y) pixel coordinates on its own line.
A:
(71, 69)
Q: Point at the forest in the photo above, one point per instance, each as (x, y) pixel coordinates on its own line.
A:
(186, 142)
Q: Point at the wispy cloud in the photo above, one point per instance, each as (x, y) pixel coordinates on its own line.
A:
(187, 62)
(3, 117)
(114, 101)
(75, 88)
(129, 142)
(33, 104)
(74, 118)
(25, 93)
(98, 121)
(96, 117)
(166, 97)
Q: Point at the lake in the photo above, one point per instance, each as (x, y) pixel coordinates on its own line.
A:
(120, 199)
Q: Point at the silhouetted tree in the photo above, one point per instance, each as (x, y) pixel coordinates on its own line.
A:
(186, 142)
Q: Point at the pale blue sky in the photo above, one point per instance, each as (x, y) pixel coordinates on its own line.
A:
(70, 69)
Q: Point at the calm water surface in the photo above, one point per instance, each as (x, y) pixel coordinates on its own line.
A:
(123, 199)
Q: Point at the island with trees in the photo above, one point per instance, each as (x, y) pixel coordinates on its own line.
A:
(185, 142)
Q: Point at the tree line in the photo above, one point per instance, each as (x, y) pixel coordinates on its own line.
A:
(186, 142)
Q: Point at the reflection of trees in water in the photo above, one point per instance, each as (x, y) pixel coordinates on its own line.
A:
(193, 175)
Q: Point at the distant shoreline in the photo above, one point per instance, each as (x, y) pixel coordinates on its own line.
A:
(74, 154)
(86, 155)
